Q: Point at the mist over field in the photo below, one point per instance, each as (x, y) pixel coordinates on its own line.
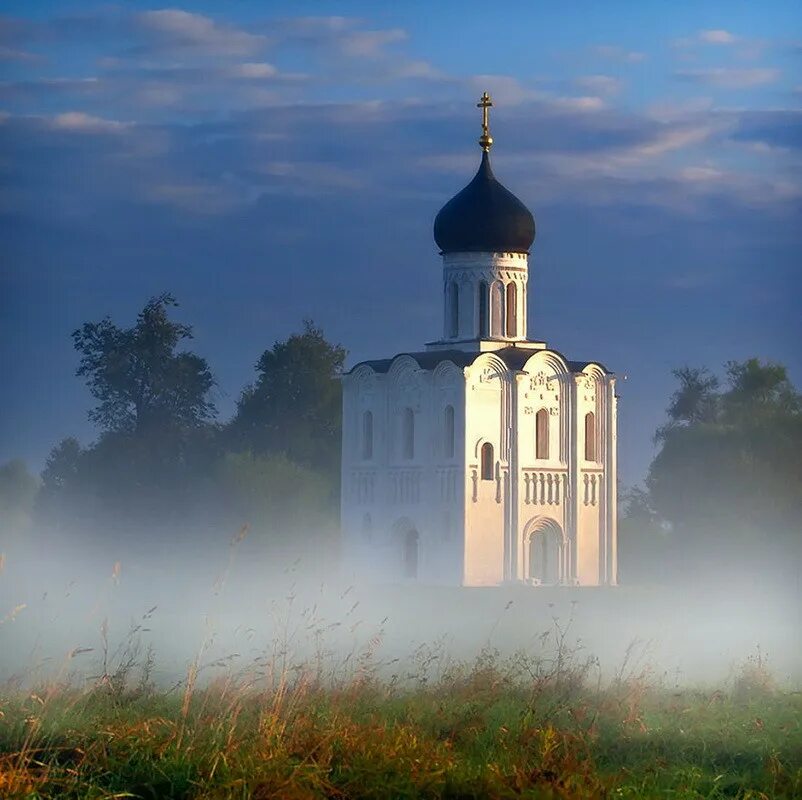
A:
(235, 600)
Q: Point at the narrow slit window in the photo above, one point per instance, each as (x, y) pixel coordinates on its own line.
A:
(590, 436)
(512, 310)
(408, 434)
(484, 303)
(487, 461)
(542, 434)
(367, 435)
(453, 310)
(448, 432)
(497, 310)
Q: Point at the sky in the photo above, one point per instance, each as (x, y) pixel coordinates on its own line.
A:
(272, 162)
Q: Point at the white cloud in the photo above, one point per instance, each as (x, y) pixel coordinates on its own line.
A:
(585, 103)
(717, 36)
(369, 44)
(184, 29)
(10, 54)
(674, 139)
(341, 34)
(746, 49)
(417, 69)
(616, 53)
(672, 110)
(701, 174)
(503, 88)
(730, 78)
(253, 70)
(79, 122)
(600, 84)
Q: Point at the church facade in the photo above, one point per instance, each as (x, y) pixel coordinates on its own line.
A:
(487, 457)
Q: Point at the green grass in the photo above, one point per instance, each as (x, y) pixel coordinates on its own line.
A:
(499, 727)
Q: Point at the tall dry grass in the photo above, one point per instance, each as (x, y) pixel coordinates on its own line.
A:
(303, 719)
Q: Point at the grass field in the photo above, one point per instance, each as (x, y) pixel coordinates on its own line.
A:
(393, 692)
(499, 726)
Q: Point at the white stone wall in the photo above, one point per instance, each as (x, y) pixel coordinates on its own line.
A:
(487, 406)
(543, 484)
(422, 493)
(536, 520)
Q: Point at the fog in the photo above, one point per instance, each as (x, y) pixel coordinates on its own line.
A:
(231, 602)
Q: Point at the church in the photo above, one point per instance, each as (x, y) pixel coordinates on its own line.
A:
(486, 458)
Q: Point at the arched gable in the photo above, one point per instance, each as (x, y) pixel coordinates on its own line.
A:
(365, 378)
(591, 380)
(595, 371)
(488, 367)
(547, 360)
(362, 372)
(404, 382)
(402, 368)
(447, 375)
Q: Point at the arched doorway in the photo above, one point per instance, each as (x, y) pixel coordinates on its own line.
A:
(410, 555)
(544, 554)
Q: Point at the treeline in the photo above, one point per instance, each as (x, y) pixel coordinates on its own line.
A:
(722, 495)
(722, 500)
(164, 465)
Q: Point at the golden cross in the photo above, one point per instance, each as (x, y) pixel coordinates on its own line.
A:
(485, 103)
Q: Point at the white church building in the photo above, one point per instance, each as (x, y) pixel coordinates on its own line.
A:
(487, 457)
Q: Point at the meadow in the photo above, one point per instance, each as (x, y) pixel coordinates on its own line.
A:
(249, 685)
(541, 724)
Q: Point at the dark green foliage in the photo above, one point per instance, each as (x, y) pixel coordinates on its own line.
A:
(154, 411)
(18, 489)
(139, 380)
(726, 484)
(696, 399)
(161, 465)
(733, 455)
(63, 463)
(295, 405)
(277, 497)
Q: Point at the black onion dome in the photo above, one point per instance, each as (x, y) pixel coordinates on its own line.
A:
(484, 217)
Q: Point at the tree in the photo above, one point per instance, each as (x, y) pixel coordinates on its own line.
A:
(286, 504)
(18, 489)
(139, 380)
(155, 412)
(694, 401)
(61, 467)
(295, 405)
(728, 475)
(643, 540)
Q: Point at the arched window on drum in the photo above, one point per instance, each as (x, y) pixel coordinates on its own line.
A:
(512, 310)
(484, 310)
(453, 309)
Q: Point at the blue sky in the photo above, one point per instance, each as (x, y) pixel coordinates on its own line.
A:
(268, 162)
